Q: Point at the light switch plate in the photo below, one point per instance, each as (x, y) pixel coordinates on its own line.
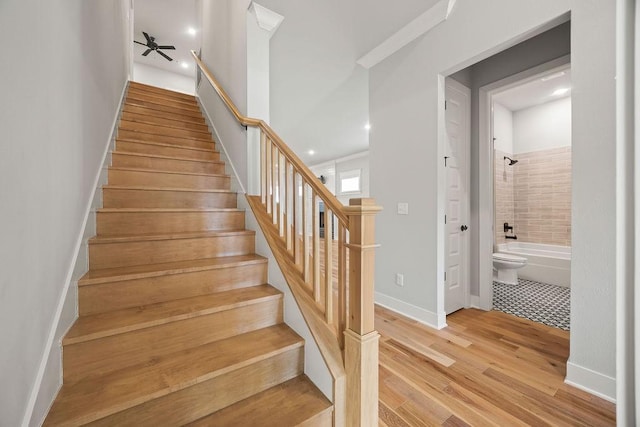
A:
(403, 208)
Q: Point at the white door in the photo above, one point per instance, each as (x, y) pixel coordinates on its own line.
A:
(457, 118)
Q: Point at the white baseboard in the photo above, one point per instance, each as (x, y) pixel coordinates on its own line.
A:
(51, 364)
(421, 315)
(592, 382)
(474, 301)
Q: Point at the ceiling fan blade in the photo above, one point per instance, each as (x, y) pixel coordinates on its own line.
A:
(168, 58)
(146, 36)
(147, 52)
(167, 47)
(136, 41)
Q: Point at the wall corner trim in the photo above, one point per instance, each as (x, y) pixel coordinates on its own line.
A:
(267, 19)
(435, 15)
(591, 381)
(411, 311)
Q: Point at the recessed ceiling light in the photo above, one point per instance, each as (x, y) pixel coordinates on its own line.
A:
(184, 64)
(191, 31)
(552, 76)
(560, 91)
(367, 126)
(311, 152)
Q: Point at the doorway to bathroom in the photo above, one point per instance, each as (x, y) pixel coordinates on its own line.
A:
(530, 141)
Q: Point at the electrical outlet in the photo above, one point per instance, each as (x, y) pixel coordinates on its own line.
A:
(399, 279)
(403, 208)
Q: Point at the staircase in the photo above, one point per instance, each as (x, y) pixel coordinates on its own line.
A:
(176, 322)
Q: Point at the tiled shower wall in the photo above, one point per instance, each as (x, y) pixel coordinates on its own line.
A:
(539, 189)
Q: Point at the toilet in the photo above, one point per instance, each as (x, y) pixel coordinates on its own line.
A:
(505, 267)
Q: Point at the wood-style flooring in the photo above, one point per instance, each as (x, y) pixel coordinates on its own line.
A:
(484, 369)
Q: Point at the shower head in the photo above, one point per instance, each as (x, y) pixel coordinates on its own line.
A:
(511, 161)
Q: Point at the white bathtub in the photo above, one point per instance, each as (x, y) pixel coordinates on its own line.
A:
(545, 263)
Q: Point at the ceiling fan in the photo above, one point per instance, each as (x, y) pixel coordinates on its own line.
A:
(153, 46)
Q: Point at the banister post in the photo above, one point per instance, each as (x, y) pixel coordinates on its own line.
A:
(361, 338)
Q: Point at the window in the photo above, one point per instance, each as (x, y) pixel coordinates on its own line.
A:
(350, 181)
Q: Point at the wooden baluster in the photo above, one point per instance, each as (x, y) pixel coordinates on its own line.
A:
(263, 168)
(295, 213)
(287, 207)
(305, 233)
(282, 206)
(315, 233)
(328, 266)
(342, 282)
(274, 159)
(361, 338)
(269, 173)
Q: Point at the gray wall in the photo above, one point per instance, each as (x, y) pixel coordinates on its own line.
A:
(405, 93)
(63, 74)
(319, 96)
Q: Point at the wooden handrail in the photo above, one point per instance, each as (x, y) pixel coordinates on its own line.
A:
(332, 286)
(328, 198)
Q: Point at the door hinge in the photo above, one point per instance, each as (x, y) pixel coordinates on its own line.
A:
(445, 276)
(445, 104)
(445, 219)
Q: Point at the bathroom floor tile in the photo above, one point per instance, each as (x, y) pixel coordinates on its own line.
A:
(540, 302)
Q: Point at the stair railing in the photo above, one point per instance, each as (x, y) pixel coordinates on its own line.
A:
(327, 257)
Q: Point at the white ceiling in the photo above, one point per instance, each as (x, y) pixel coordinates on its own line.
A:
(168, 21)
(535, 92)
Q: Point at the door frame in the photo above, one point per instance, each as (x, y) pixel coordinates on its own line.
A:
(466, 246)
(486, 234)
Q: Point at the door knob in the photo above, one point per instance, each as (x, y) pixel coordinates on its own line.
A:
(463, 228)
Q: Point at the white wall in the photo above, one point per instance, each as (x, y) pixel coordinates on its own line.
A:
(56, 112)
(319, 96)
(502, 128)
(405, 96)
(153, 76)
(542, 127)
(224, 51)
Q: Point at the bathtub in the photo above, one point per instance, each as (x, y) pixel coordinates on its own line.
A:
(545, 263)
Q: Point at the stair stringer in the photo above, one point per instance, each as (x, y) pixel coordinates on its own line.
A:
(315, 367)
(49, 379)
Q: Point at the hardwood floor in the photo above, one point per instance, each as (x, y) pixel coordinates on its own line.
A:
(484, 369)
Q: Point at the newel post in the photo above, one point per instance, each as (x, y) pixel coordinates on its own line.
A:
(361, 338)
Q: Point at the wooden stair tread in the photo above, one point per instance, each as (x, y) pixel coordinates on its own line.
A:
(106, 275)
(140, 109)
(169, 98)
(159, 106)
(114, 168)
(159, 156)
(95, 397)
(170, 236)
(157, 129)
(288, 404)
(142, 86)
(150, 119)
(162, 210)
(95, 326)
(149, 188)
(164, 144)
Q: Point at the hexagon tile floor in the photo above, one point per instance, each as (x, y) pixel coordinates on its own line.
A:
(540, 302)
